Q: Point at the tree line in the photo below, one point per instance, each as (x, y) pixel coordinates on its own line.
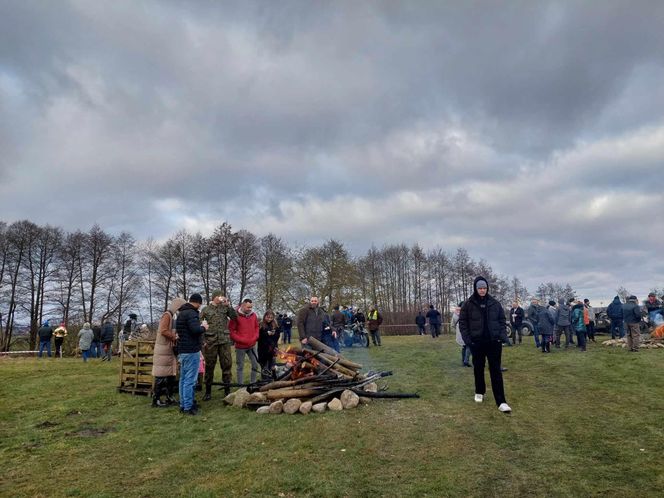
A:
(75, 277)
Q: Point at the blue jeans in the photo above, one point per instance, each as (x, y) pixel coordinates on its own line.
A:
(189, 363)
(85, 354)
(617, 329)
(95, 350)
(536, 335)
(465, 355)
(330, 341)
(44, 345)
(581, 339)
(286, 335)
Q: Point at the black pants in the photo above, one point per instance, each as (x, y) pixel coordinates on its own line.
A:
(491, 351)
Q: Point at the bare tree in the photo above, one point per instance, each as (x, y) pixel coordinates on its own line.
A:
(17, 242)
(276, 267)
(246, 256)
(222, 242)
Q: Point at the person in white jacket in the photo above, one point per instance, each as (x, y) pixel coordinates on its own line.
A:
(465, 350)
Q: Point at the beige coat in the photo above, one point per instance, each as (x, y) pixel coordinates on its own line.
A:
(164, 362)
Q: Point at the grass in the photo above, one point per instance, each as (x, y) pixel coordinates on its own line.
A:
(583, 425)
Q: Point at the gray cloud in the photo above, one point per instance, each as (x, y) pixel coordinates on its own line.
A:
(529, 132)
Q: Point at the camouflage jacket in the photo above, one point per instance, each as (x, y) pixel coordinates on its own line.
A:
(217, 317)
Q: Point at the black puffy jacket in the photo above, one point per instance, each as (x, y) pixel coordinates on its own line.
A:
(472, 317)
(189, 329)
(615, 310)
(45, 333)
(107, 333)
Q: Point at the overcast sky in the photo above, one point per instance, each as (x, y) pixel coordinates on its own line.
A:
(530, 133)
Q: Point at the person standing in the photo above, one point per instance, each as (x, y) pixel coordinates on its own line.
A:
(164, 361)
(85, 337)
(107, 335)
(579, 325)
(375, 320)
(615, 313)
(483, 327)
(337, 325)
(286, 328)
(547, 321)
(244, 334)
(590, 326)
(189, 330)
(311, 321)
(516, 321)
(95, 347)
(465, 350)
(218, 342)
(60, 333)
(130, 327)
(564, 323)
(433, 315)
(421, 321)
(632, 320)
(533, 314)
(45, 335)
(654, 309)
(268, 340)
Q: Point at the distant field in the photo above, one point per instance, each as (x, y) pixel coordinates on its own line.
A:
(583, 425)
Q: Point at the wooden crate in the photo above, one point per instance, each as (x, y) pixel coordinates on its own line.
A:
(136, 367)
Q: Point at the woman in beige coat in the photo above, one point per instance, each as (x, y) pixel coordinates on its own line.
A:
(164, 361)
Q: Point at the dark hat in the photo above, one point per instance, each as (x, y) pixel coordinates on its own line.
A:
(481, 284)
(571, 300)
(196, 298)
(133, 316)
(651, 294)
(217, 292)
(586, 300)
(552, 303)
(633, 298)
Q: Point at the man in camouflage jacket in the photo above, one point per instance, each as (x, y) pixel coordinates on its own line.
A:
(217, 341)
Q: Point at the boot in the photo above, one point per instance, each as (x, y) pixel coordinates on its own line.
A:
(171, 387)
(208, 393)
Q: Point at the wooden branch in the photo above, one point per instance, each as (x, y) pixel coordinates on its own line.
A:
(288, 393)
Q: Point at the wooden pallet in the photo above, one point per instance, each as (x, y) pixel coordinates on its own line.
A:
(136, 368)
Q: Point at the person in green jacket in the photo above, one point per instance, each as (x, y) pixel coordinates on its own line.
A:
(578, 324)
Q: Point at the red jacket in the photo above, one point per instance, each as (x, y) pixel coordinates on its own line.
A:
(244, 330)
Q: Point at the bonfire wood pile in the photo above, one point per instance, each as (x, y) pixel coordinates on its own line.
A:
(317, 378)
(646, 343)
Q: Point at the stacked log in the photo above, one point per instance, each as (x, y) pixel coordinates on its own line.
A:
(645, 343)
(317, 379)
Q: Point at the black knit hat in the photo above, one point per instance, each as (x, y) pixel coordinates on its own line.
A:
(552, 303)
(196, 298)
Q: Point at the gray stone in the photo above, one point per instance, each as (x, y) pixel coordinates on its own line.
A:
(292, 406)
(335, 405)
(349, 399)
(254, 397)
(371, 387)
(305, 407)
(241, 398)
(276, 407)
(263, 410)
(319, 407)
(364, 400)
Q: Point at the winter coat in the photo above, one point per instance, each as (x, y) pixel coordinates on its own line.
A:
(164, 362)
(516, 316)
(96, 331)
(45, 333)
(564, 315)
(375, 319)
(60, 332)
(433, 315)
(615, 310)
(455, 324)
(591, 313)
(577, 318)
(85, 337)
(533, 313)
(338, 320)
(482, 319)
(107, 333)
(244, 330)
(654, 306)
(287, 323)
(421, 320)
(546, 319)
(311, 321)
(631, 312)
(189, 329)
(267, 344)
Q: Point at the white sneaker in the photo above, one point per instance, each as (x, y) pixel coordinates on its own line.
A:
(505, 408)
(479, 398)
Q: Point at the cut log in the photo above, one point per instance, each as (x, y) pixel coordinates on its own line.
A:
(319, 346)
(290, 393)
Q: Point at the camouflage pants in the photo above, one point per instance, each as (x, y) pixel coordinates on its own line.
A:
(223, 352)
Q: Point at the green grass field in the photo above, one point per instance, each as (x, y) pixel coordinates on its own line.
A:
(583, 425)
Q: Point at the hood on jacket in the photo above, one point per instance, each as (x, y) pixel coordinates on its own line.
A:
(175, 305)
(616, 300)
(477, 279)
